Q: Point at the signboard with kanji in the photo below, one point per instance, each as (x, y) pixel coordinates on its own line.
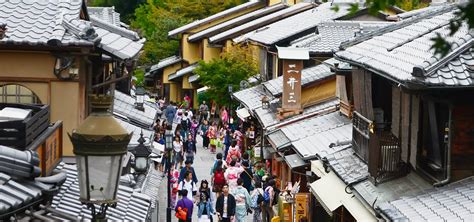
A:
(302, 201)
(49, 147)
(291, 98)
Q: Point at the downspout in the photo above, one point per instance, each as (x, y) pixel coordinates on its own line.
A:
(448, 153)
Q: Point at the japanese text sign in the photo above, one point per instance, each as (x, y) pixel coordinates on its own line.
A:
(291, 98)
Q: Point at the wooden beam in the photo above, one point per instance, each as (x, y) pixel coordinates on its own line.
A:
(109, 82)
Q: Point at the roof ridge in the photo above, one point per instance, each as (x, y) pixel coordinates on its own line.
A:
(419, 71)
(396, 26)
(115, 29)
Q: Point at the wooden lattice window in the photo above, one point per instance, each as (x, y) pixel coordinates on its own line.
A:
(13, 93)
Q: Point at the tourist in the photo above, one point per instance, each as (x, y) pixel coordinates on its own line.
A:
(188, 167)
(242, 200)
(218, 178)
(204, 129)
(185, 204)
(212, 134)
(178, 152)
(246, 177)
(203, 111)
(233, 153)
(190, 148)
(205, 209)
(170, 113)
(257, 202)
(225, 205)
(232, 174)
(188, 184)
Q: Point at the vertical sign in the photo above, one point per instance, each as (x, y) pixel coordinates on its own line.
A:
(302, 201)
(292, 84)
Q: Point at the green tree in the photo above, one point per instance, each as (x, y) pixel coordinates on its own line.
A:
(230, 69)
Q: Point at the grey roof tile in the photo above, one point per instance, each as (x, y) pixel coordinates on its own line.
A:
(136, 130)
(251, 97)
(295, 161)
(70, 204)
(107, 14)
(453, 202)
(257, 23)
(296, 24)
(124, 105)
(348, 166)
(233, 10)
(183, 71)
(308, 76)
(279, 139)
(165, 62)
(331, 34)
(236, 22)
(399, 50)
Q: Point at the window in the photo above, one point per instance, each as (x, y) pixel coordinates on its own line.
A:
(13, 93)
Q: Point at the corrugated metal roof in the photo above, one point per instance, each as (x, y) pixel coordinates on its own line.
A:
(349, 167)
(454, 202)
(332, 34)
(236, 9)
(235, 22)
(402, 52)
(125, 105)
(297, 24)
(183, 71)
(132, 205)
(308, 75)
(257, 23)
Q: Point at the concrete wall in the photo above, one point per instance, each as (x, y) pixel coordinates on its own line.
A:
(34, 70)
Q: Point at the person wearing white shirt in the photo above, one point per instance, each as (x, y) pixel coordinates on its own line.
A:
(188, 185)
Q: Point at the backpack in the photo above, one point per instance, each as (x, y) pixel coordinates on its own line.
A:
(266, 196)
(219, 177)
(182, 214)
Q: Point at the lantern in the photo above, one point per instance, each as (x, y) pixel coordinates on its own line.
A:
(139, 98)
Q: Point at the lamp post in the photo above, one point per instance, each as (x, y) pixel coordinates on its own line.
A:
(169, 149)
(99, 145)
(265, 102)
(230, 89)
(139, 98)
(141, 153)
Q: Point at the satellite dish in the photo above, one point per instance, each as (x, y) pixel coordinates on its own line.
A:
(244, 84)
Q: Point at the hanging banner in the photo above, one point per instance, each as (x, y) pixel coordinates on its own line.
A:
(291, 98)
(302, 201)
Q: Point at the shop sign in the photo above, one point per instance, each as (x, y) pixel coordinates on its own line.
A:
(291, 97)
(302, 201)
(50, 148)
(257, 150)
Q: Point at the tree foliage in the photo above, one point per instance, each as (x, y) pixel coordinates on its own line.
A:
(230, 69)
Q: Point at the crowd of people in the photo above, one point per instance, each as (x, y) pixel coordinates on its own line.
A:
(238, 186)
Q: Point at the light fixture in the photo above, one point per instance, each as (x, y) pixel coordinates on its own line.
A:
(141, 153)
(139, 98)
(169, 149)
(265, 102)
(100, 144)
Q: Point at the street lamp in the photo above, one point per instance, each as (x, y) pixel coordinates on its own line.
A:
(265, 102)
(99, 145)
(139, 98)
(141, 153)
(230, 89)
(169, 148)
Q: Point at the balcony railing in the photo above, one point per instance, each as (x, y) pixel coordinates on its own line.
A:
(378, 147)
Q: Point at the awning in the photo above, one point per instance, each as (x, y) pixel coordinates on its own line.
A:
(331, 194)
(243, 113)
(295, 161)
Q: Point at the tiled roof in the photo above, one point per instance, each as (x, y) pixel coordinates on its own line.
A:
(136, 130)
(348, 166)
(45, 23)
(197, 23)
(402, 51)
(268, 117)
(107, 14)
(257, 23)
(294, 161)
(250, 97)
(151, 186)
(278, 139)
(297, 24)
(125, 106)
(132, 205)
(311, 138)
(308, 75)
(183, 71)
(193, 78)
(236, 22)
(454, 202)
(165, 62)
(331, 34)
(118, 41)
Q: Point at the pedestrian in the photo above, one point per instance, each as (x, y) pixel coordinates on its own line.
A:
(232, 174)
(170, 112)
(203, 111)
(224, 115)
(190, 148)
(204, 129)
(227, 142)
(246, 158)
(189, 185)
(188, 167)
(218, 179)
(174, 178)
(205, 209)
(233, 153)
(204, 188)
(242, 200)
(178, 152)
(269, 195)
(185, 125)
(216, 162)
(246, 177)
(194, 128)
(257, 202)
(212, 134)
(185, 205)
(225, 205)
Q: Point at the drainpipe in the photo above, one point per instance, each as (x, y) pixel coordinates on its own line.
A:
(448, 154)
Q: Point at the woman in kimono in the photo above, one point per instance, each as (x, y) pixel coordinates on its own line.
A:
(232, 174)
(243, 201)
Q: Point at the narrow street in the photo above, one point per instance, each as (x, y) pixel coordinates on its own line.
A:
(202, 165)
